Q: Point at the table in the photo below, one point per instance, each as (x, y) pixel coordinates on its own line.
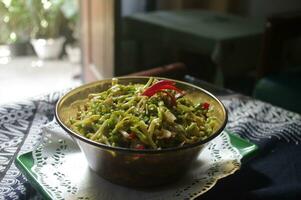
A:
(232, 42)
(275, 173)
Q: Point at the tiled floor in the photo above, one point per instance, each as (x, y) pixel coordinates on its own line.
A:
(25, 77)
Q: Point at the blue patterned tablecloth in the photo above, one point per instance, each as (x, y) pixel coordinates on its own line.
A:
(275, 173)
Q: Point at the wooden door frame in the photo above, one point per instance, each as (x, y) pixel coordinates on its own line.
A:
(100, 36)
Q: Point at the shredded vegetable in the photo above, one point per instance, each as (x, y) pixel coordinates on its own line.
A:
(155, 115)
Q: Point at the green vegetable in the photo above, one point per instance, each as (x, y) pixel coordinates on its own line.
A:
(150, 116)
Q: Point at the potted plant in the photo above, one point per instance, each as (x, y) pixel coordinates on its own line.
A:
(15, 27)
(48, 21)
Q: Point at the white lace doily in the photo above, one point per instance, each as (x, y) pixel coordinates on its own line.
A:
(63, 172)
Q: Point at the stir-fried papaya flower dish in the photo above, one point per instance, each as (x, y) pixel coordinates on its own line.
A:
(133, 129)
(155, 115)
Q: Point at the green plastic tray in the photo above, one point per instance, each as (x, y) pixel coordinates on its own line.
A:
(25, 161)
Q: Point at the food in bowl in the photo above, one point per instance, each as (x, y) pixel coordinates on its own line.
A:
(124, 161)
(155, 115)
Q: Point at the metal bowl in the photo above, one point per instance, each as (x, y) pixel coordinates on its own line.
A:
(132, 167)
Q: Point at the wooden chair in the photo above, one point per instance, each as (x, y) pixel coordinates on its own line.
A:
(174, 70)
(277, 83)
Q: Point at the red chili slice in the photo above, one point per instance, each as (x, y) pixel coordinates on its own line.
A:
(206, 106)
(140, 146)
(159, 86)
(132, 135)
